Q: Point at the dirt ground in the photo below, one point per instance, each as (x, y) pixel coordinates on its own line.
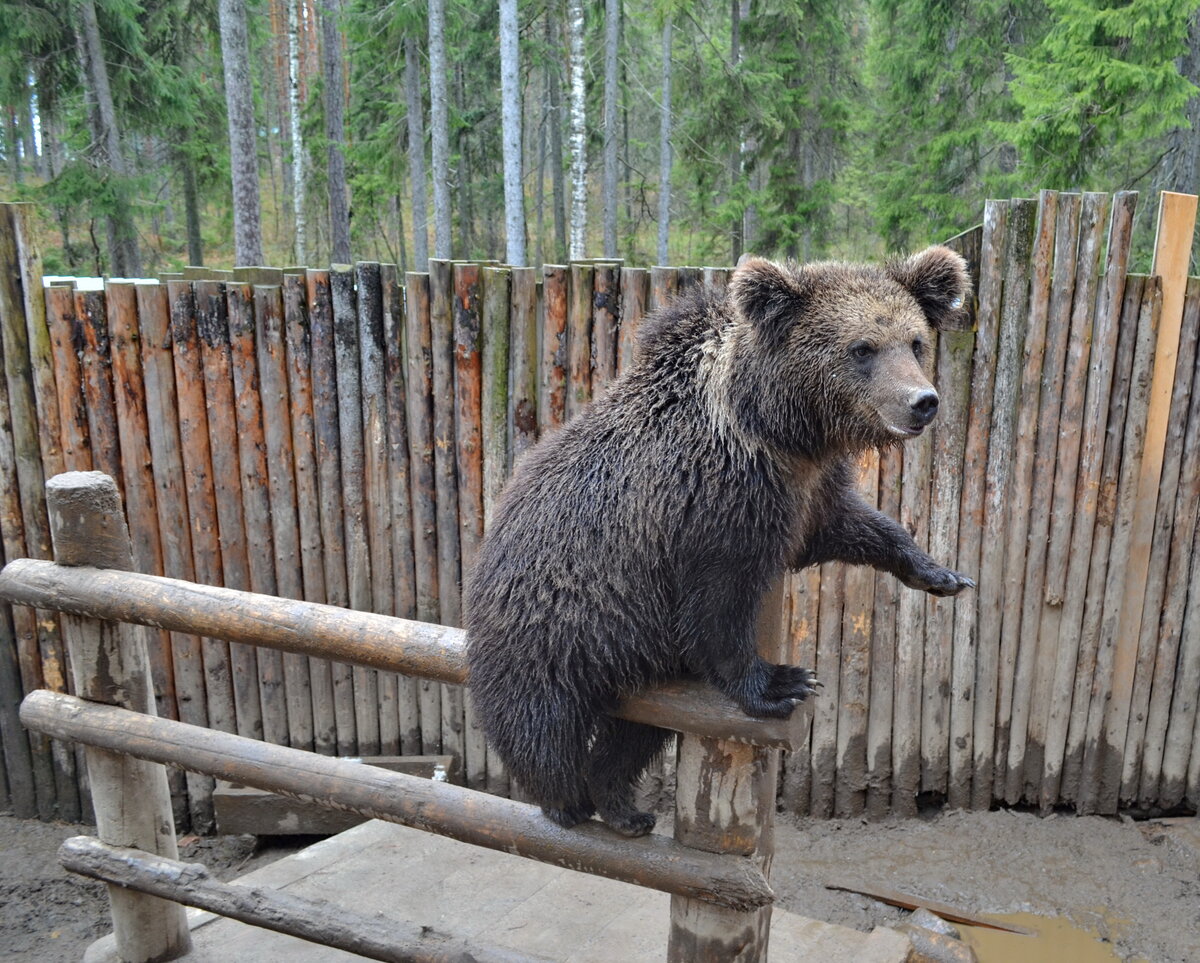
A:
(1135, 884)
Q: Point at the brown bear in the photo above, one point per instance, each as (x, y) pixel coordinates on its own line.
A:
(635, 544)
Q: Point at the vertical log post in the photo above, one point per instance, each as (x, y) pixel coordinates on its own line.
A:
(725, 803)
(111, 665)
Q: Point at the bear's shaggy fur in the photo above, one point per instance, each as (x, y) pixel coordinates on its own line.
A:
(635, 544)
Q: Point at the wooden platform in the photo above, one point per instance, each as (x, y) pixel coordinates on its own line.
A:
(493, 898)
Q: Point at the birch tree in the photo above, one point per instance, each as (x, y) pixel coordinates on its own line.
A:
(243, 134)
(510, 101)
(578, 132)
(612, 28)
(335, 132)
(664, 148)
(416, 152)
(554, 121)
(299, 155)
(440, 124)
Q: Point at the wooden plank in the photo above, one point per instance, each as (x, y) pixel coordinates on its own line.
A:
(825, 709)
(20, 795)
(854, 683)
(1042, 652)
(298, 337)
(523, 353)
(1191, 629)
(944, 910)
(376, 490)
(66, 341)
(581, 278)
(404, 599)
(353, 495)
(422, 445)
(716, 280)
(1077, 485)
(1133, 664)
(664, 286)
(606, 321)
(271, 357)
(1094, 791)
(635, 302)
(883, 650)
(174, 530)
(552, 397)
(1019, 649)
(1161, 623)
(995, 650)
(441, 319)
(212, 323)
(95, 363)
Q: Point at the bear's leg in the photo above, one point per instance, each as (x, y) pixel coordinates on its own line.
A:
(621, 751)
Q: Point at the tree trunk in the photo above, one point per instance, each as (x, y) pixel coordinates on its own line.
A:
(191, 208)
(1180, 169)
(123, 248)
(556, 145)
(416, 152)
(243, 135)
(335, 132)
(299, 154)
(612, 32)
(510, 98)
(466, 203)
(735, 154)
(575, 26)
(664, 151)
(440, 124)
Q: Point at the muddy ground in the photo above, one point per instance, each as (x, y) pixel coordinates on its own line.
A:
(1136, 884)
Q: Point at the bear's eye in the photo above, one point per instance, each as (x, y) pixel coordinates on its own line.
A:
(861, 351)
(918, 347)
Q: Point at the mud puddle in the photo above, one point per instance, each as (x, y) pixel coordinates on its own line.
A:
(1057, 939)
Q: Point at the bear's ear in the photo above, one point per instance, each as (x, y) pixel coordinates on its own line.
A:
(767, 294)
(937, 277)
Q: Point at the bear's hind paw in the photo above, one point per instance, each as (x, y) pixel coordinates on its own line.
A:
(631, 823)
(568, 817)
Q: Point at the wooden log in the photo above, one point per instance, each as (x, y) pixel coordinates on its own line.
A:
(1079, 602)
(552, 398)
(664, 286)
(854, 684)
(635, 302)
(1133, 664)
(688, 279)
(421, 440)
(1161, 622)
(803, 600)
(347, 368)
(967, 682)
(825, 709)
(174, 531)
(404, 599)
(468, 449)
(298, 338)
(441, 319)
(1181, 612)
(883, 652)
(496, 373)
(1191, 629)
(375, 483)
(212, 324)
(995, 648)
(1036, 649)
(715, 280)
(315, 920)
(111, 669)
(606, 322)
(448, 810)
(66, 341)
(95, 361)
(284, 527)
(1019, 651)
(523, 354)
(580, 360)
(1080, 453)
(20, 796)
(201, 500)
(364, 638)
(1095, 792)
(325, 404)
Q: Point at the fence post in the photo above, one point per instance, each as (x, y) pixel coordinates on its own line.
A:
(111, 665)
(725, 803)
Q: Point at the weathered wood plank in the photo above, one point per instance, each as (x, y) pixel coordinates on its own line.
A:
(523, 333)
(552, 396)
(883, 650)
(606, 322)
(829, 670)
(66, 343)
(580, 359)
(635, 302)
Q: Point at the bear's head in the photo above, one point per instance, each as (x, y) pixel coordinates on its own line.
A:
(833, 356)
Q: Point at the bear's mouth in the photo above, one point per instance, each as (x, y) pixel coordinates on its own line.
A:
(906, 431)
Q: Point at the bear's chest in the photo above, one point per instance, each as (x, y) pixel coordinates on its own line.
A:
(811, 493)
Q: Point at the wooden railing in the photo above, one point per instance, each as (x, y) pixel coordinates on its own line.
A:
(715, 868)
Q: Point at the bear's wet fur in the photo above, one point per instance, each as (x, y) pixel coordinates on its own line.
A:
(635, 544)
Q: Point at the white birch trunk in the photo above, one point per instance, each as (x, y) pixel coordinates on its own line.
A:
(578, 244)
(299, 155)
(243, 146)
(440, 133)
(664, 150)
(510, 100)
(612, 26)
(416, 154)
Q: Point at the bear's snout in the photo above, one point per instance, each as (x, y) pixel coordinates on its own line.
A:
(923, 404)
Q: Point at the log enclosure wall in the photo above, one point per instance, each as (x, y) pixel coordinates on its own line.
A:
(341, 436)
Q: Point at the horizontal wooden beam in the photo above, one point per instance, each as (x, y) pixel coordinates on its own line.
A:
(420, 649)
(492, 822)
(315, 920)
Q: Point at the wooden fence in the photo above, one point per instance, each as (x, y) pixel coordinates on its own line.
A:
(340, 436)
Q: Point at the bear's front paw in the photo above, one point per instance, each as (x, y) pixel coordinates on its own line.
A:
(791, 682)
(940, 581)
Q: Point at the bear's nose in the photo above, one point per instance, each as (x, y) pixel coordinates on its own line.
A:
(924, 405)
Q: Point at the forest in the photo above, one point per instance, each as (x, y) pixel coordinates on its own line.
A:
(151, 134)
